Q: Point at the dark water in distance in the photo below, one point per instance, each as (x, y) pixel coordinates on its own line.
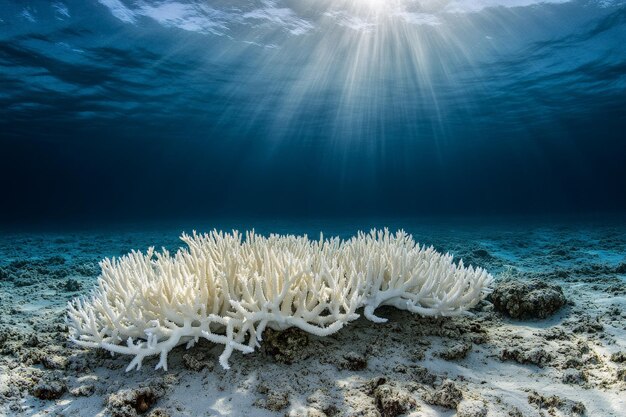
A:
(117, 111)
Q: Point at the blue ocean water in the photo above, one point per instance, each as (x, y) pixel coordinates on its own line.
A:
(120, 111)
(493, 130)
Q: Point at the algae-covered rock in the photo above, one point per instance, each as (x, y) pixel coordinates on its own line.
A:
(448, 395)
(455, 352)
(526, 355)
(132, 402)
(527, 299)
(574, 377)
(390, 399)
(553, 402)
(353, 361)
(275, 401)
(285, 346)
(50, 387)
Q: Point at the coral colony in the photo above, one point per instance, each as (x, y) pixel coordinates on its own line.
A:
(227, 290)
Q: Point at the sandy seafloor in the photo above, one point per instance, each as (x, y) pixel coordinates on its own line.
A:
(483, 365)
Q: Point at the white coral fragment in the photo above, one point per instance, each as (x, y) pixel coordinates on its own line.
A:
(227, 290)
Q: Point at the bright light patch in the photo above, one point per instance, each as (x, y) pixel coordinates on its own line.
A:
(119, 10)
(198, 16)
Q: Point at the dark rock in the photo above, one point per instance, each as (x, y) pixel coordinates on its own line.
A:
(159, 412)
(586, 324)
(555, 333)
(423, 375)
(32, 340)
(616, 289)
(559, 252)
(275, 401)
(482, 254)
(54, 362)
(24, 283)
(527, 299)
(572, 362)
(71, 285)
(353, 362)
(55, 260)
(544, 402)
(21, 263)
(88, 269)
(447, 395)
(392, 401)
(49, 388)
(536, 355)
(574, 376)
(456, 351)
(197, 361)
(132, 402)
(24, 381)
(567, 407)
(285, 346)
(618, 357)
(5, 335)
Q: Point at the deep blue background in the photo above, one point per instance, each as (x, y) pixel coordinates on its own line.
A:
(503, 112)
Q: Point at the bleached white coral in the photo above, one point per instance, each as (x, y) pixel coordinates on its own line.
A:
(227, 290)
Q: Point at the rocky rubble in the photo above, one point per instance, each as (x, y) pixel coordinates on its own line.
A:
(527, 299)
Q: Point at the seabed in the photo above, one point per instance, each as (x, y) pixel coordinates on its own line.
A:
(572, 362)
